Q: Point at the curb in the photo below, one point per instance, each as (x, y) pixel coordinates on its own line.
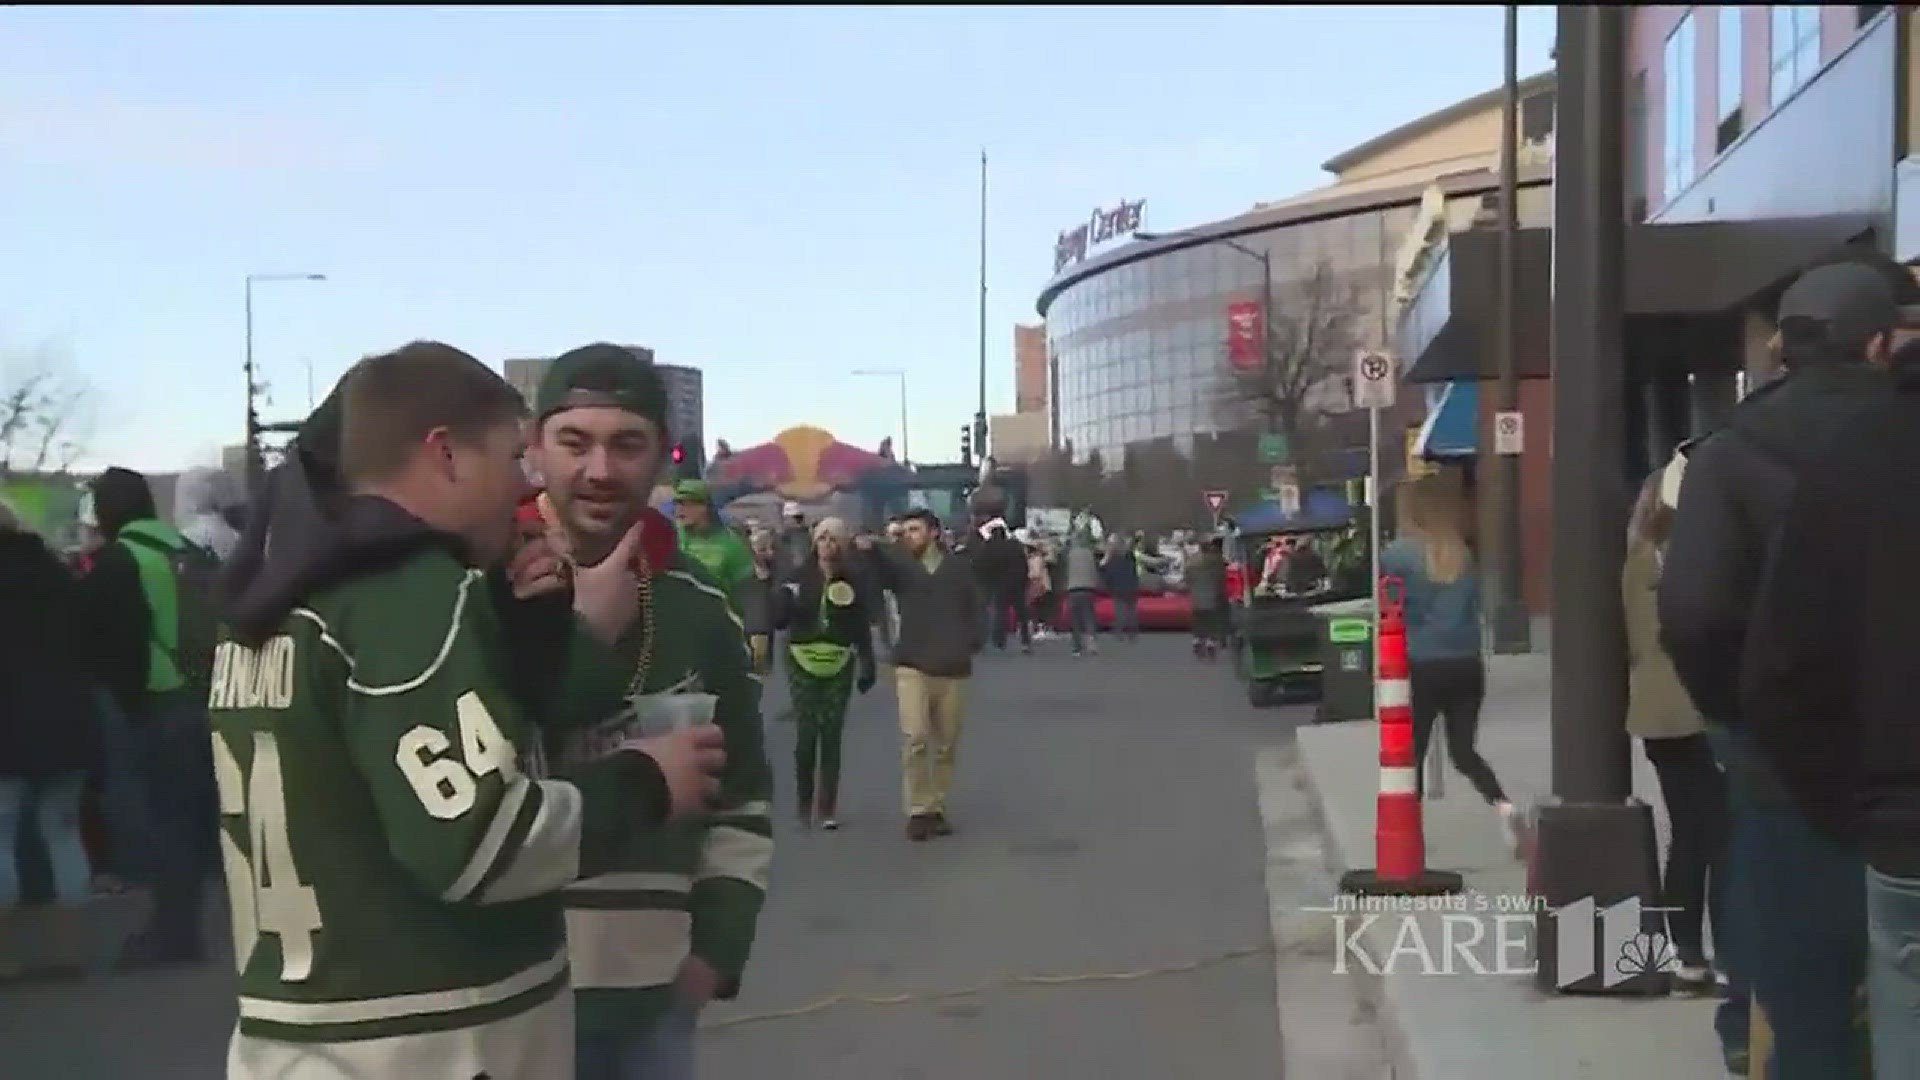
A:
(1394, 1043)
(1385, 1044)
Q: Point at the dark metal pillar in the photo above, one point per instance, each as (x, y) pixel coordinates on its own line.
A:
(1593, 842)
(1512, 622)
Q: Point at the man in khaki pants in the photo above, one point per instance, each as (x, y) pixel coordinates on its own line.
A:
(939, 632)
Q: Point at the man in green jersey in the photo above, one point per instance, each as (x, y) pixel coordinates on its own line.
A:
(704, 537)
(394, 874)
(670, 929)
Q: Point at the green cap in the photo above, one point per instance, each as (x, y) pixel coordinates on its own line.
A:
(603, 374)
(692, 491)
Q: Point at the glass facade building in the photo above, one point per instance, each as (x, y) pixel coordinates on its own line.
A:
(1139, 335)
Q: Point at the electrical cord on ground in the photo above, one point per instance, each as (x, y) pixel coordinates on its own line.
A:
(1006, 982)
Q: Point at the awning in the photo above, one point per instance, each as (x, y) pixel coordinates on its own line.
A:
(1320, 509)
(1452, 427)
(1447, 330)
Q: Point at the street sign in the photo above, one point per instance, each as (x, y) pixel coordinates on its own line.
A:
(1273, 449)
(1279, 476)
(1216, 501)
(1509, 433)
(1290, 499)
(1373, 380)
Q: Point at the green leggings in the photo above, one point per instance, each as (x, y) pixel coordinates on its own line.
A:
(820, 707)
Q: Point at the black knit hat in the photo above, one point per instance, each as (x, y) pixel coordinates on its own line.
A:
(603, 374)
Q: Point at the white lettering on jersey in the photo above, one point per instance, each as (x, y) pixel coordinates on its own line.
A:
(245, 678)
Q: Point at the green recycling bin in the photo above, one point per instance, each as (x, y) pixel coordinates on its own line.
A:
(1346, 674)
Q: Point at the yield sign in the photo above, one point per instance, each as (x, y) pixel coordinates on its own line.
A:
(1216, 500)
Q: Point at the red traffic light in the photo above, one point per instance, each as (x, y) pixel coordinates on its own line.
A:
(679, 453)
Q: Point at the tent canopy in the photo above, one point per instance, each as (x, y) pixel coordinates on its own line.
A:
(1319, 509)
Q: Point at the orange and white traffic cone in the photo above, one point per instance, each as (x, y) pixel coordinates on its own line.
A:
(1400, 848)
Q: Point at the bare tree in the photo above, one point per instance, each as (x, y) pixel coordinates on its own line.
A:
(46, 414)
(1313, 327)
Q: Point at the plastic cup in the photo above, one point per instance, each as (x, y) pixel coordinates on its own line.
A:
(659, 714)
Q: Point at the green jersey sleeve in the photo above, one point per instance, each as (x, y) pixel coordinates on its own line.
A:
(438, 738)
(736, 853)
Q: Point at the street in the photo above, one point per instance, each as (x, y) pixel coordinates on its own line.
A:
(1108, 827)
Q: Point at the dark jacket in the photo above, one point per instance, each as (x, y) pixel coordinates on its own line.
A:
(1120, 574)
(113, 602)
(47, 723)
(1736, 487)
(798, 607)
(1207, 581)
(940, 623)
(1002, 564)
(756, 600)
(1830, 674)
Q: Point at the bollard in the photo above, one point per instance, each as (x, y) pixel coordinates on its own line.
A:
(1400, 854)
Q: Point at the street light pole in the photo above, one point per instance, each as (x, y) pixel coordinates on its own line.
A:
(906, 457)
(255, 466)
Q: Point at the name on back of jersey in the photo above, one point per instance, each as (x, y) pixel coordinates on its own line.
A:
(249, 678)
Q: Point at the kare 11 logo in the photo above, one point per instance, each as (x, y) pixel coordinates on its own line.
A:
(1478, 934)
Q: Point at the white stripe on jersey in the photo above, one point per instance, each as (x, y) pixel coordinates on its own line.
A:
(627, 948)
(549, 855)
(732, 852)
(399, 1006)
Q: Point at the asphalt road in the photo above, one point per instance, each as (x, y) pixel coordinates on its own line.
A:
(1108, 824)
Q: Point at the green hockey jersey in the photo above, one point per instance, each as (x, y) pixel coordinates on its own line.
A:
(694, 888)
(394, 872)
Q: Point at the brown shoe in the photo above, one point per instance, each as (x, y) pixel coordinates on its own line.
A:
(919, 827)
(940, 826)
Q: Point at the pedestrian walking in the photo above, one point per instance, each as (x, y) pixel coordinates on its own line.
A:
(153, 621)
(1121, 568)
(823, 609)
(756, 598)
(386, 841)
(1082, 571)
(939, 634)
(1443, 617)
(1206, 577)
(1799, 928)
(1673, 735)
(49, 741)
(1003, 576)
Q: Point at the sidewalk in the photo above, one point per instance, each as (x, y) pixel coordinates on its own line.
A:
(1490, 1026)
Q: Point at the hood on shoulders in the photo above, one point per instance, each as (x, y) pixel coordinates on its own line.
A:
(308, 533)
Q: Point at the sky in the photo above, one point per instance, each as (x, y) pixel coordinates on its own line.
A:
(778, 196)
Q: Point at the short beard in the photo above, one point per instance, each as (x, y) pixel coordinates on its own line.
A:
(592, 544)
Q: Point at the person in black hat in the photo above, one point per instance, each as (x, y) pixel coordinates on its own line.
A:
(1828, 686)
(668, 929)
(1797, 932)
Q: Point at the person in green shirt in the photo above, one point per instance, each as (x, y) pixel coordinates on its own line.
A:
(830, 651)
(707, 540)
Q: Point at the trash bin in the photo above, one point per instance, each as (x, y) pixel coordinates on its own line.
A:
(1346, 677)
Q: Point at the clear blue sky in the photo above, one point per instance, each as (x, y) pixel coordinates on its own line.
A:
(778, 196)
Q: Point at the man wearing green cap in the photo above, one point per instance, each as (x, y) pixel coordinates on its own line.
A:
(708, 540)
(670, 930)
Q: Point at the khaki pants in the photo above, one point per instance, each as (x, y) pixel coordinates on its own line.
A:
(930, 712)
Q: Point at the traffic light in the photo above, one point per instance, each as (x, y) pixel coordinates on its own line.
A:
(679, 453)
(966, 444)
(685, 463)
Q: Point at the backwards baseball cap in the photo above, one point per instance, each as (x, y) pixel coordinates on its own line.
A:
(692, 491)
(1850, 302)
(603, 375)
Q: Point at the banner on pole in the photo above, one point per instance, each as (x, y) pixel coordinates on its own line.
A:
(1246, 341)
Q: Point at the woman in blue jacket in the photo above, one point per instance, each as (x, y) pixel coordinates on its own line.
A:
(1435, 566)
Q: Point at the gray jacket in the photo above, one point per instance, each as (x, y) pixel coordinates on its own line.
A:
(1083, 567)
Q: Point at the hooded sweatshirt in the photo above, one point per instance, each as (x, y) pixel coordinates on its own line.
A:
(129, 597)
(368, 747)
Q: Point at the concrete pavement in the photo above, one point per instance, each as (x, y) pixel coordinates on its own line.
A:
(1105, 894)
(1108, 824)
(1491, 1027)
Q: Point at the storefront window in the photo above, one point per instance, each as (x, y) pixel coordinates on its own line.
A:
(1795, 48)
(1680, 112)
